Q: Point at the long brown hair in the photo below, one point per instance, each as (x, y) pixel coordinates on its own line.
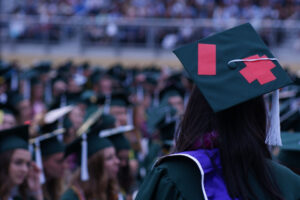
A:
(241, 140)
(52, 188)
(5, 183)
(99, 185)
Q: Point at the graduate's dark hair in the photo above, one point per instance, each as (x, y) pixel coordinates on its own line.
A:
(241, 140)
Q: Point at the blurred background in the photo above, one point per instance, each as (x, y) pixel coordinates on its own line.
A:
(92, 54)
(138, 32)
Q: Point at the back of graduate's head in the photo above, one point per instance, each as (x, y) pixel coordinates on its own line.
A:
(199, 119)
(233, 69)
(241, 134)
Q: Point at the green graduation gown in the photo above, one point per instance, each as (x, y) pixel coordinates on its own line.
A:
(69, 195)
(178, 178)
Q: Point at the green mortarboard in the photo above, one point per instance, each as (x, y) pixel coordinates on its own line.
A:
(232, 67)
(115, 99)
(42, 67)
(290, 120)
(119, 99)
(105, 121)
(51, 146)
(88, 97)
(115, 135)
(170, 91)
(166, 124)
(46, 145)
(290, 151)
(14, 138)
(95, 143)
(84, 147)
(7, 108)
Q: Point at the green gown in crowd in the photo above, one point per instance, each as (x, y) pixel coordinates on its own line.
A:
(70, 194)
(179, 179)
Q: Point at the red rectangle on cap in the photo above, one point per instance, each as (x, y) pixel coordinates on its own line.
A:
(206, 59)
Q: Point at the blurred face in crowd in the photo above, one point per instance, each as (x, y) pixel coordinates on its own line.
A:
(19, 166)
(76, 117)
(3, 88)
(177, 103)
(59, 87)
(123, 156)
(111, 162)
(73, 87)
(38, 92)
(120, 113)
(25, 110)
(55, 165)
(9, 121)
(105, 86)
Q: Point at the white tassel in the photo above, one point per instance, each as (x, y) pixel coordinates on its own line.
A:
(38, 159)
(84, 154)
(273, 136)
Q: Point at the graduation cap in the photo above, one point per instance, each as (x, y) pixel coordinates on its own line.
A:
(8, 108)
(232, 67)
(289, 154)
(42, 67)
(46, 145)
(5, 68)
(84, 147)
(115, 135)
(166, 124)
(56, 114)
(170, 91)
(156, 114)
(14, 138)
(119, 98)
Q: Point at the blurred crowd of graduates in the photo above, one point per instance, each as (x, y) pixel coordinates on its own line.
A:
(142, 106)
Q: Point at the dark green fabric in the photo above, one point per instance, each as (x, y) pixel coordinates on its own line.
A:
(69, 194)
(228, 87)
(51, 146)
(176, 179)
(95, 143)
(14, 138)
(289, 154)
(154, 151)
(120, 142)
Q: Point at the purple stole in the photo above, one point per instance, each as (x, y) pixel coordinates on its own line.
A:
(209, 165)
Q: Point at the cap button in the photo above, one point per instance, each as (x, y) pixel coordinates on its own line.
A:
(232, 65)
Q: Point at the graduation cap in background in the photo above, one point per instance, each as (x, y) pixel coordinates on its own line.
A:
(157, 114)
(116, 136)
(289, 154)
(290, 120)
(166, 124)
(232, 67)
(5, 69)
(45, 145)
(42, 67)
(170, 91)
(117, 72)
(14, 138)
(84, 147)
(8, 108)
(118, 98)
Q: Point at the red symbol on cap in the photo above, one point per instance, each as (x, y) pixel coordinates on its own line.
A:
(259, 70)
(206, 59)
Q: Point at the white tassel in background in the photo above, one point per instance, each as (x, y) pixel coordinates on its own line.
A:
(38, 159)
(273, 135)
(84, 154)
